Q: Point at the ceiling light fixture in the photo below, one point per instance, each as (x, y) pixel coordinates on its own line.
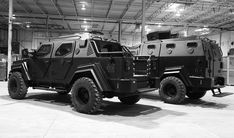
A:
(202, 29)
(205, 33)
(85, 27)
(85, 21)
(147, 29)
(159, 25)
(178, 14)
(181, 10)
(173, 7)
(27, 26)
(83, 7)
(13, 17)
(185, 33)
(17, 23)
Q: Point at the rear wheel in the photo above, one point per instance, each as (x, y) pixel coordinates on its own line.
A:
(195, 95)
(16, 86)
(86, 98)
(172, 90)
(130, 100)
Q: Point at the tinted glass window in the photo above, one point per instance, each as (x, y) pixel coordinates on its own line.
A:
(170, 45)
(192, 44)
(83, 44)
(106, 46)
(44, 50)
(151, 47)
(64, 49)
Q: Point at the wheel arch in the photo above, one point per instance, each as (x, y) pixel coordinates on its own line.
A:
(22, 69)
(178, 72)
(93, 73)
(85, 73)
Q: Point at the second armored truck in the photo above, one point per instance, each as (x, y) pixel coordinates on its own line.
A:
(185, 66)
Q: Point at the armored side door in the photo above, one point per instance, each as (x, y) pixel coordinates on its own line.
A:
(39, 64)
(62, 61)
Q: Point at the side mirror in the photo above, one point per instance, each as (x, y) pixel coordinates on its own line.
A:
(24, 53)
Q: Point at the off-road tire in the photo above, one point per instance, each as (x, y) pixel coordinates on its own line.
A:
(17, 88)
(130, 100)
(195, 95)
(172, 90)
(85, 96)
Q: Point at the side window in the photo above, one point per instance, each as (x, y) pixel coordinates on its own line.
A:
(64, 49)
(170, 45)
(170, 48)
(192, 44)
(44, 50)
(151, 46)
(83, 44)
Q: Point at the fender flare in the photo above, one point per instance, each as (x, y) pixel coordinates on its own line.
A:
(22, 68)
(179, 72)
(97, 73)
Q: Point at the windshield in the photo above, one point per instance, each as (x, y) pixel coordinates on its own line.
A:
(106, 46)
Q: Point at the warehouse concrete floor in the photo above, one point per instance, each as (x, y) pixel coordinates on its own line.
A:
(46, 114)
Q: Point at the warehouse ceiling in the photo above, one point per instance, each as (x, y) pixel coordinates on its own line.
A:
(71, 16)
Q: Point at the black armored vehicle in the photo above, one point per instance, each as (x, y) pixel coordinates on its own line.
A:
(184, 66)
(91, 69)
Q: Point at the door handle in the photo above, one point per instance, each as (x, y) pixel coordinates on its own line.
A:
(47, 61)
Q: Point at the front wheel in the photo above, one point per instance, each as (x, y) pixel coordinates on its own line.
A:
(130, 100)
(17, 88)
(86, 97)
(195, 95)
(172, 90)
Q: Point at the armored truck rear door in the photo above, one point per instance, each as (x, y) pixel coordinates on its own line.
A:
(62, 60)
(209, 57)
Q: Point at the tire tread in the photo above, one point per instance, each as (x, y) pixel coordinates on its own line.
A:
(97, 99)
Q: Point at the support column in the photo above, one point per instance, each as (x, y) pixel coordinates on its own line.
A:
(143, 22)
(9, 36)
(47, 26)
(120, 31)
(220, 38)
(228, 70)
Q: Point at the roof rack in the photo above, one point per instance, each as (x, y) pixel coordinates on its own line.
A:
(73, 36)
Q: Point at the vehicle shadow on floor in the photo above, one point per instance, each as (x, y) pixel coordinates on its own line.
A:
(188, 102)
(204, 104)
(138, 115)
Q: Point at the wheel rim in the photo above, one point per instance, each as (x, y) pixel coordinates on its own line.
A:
(13, 85)
(170, 90)
(83, 96)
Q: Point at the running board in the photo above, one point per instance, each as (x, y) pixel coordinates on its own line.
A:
(49, 89)
(146, 90)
